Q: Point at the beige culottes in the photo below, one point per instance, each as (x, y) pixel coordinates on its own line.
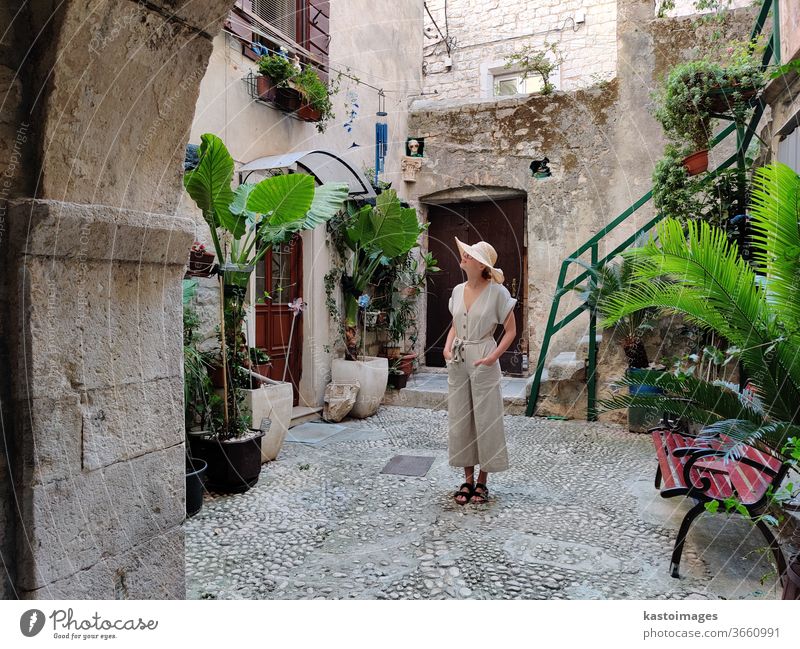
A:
(474, 400)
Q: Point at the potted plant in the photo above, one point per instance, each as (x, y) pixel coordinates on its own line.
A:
(741, 79)
(397, 377)
(683, 109)
(201, 261)
(701, 275)
(604, 283)
(316, 103)
(248, 221)
(273, 84)
(259, 362)
(195, 381)
(374, 236)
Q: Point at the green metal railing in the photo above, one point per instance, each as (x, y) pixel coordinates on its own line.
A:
(744, 136)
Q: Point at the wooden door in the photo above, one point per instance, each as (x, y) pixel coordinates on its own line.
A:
(502, 224)
(280, 275)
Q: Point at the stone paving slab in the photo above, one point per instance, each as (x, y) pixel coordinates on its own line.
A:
(575, 517)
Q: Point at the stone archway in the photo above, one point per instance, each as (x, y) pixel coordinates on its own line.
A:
(98, 101)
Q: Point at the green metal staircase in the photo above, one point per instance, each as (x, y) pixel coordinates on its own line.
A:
(744, 136)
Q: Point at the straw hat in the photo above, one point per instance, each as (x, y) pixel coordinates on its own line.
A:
(484, 254)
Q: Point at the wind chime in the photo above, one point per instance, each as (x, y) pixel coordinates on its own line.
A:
(381, 136)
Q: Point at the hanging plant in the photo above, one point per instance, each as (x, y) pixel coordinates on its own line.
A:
(317, 106)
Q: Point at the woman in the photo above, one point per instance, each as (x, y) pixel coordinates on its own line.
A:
(474, 400)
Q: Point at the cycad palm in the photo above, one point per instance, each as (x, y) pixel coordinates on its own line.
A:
(703, 277)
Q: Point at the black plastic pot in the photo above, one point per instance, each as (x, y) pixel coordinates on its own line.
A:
(398, 381)
(194, 443)
(233, 465)
(195, 469)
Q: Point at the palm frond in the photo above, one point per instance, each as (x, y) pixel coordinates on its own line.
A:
(771, 437)
(669, 298)
(685, 396)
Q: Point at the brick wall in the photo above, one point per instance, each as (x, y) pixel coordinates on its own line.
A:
(481, 33)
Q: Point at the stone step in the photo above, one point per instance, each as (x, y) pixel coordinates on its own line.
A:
(582, 350)
(567, 367)
(302, 414)
(429, 390)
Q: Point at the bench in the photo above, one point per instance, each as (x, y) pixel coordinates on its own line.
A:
(696, 467)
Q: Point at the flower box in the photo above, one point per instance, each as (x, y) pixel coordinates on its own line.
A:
(283, 97)
(722, 99)
(308, 113)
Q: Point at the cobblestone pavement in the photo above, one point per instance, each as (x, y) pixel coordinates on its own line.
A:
(576, 517)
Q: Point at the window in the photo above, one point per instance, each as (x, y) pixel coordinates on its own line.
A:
(499, 81)
(514, 84)
(291, 23)
(281, 14)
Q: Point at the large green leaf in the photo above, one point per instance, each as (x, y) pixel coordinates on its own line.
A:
(389, 228)
(239, 209)
(328, 200)
(360, 231)
(282, 198)
(209, 185)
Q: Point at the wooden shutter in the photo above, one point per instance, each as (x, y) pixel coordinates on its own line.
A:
(316, 28)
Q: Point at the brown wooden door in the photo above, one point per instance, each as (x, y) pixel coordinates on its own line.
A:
(502, 224)
(280, 274)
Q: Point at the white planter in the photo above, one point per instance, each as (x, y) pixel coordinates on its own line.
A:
(274, 402)
(372, 373)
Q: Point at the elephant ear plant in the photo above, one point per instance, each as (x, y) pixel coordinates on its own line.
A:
(245, 223)
(376, 236)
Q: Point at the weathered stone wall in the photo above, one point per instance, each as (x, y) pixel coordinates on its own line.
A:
(602, 144)
(483, 32)
(15, 140)
(92, 312)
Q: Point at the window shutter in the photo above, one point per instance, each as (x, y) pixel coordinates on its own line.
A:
(281, 14)
(317, 28)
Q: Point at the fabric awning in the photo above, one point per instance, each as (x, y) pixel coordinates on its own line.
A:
(325, 166)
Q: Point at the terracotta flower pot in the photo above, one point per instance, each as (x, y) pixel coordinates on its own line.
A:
(266, 89)
(308, 113)
(407, 364)
(696, 163)
(283, 98)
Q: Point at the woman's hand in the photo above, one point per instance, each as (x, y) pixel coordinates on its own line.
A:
(448, 355)
(486, 360)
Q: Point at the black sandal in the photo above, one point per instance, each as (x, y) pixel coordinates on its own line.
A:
(483, 495)
(466, 494)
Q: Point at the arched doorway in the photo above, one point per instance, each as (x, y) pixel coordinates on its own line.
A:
(496, 215)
